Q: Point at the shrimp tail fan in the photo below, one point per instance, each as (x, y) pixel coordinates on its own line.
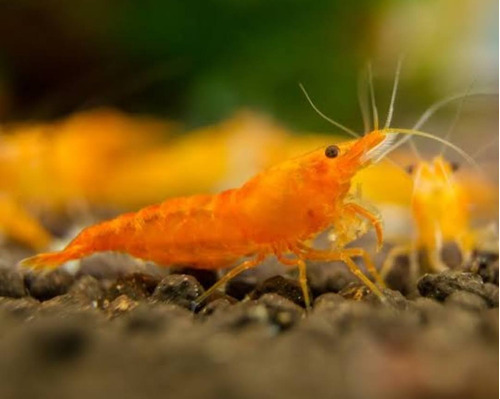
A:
(50, 260)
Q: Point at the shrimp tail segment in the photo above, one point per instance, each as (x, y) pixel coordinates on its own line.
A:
(48, 261)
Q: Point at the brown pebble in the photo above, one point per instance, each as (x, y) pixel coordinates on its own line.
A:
(44, 286)
(285, 287)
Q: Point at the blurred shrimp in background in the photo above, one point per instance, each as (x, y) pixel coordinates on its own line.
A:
(52, 164)
(78, 81)
(52, 167)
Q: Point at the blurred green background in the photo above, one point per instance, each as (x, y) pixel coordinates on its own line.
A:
(199, 61)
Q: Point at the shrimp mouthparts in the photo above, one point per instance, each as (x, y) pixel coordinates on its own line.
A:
(378, 152)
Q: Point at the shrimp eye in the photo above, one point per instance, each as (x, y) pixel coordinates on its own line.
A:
(454, 166)
(410, 169)
(332, 151)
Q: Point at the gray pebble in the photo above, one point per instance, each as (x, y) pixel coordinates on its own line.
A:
(282, 286)
(44, 286)
(282, 312)
(466, 300)
(327, 302)
(440, 286)
(12, 283)
(136, 286)
(87, 290)
(179, 289)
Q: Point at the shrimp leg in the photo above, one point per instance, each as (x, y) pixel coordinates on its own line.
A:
(228, 276)
(301, 264)
(372, 218)
(345, 256)
(369, 265)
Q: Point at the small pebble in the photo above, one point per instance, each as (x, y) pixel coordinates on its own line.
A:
(491, 294)
(153, 317)
(285, 287)
(121, 305)
(486, 265)
(329, 278)
(239, 316)
(44, 286)
(217, 305)
(327, 302)
(206, 278)
(179, 289)
(392, 298)
(19, 307)
(136, 286)
(240, 287)
(12, 283)
(466, 300)
(439, 286)
(282, 312)
(87, 291)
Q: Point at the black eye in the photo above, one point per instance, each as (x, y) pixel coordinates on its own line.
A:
(410, 169)
(332, 151)
(454, 166)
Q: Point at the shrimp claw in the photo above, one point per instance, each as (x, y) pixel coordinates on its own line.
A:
(372, 218)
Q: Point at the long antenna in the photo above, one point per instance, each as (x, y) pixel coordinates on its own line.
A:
(456, 117)
(372, 96)
(340, 126)
(429, 112)
(394, 91)
(363, 103)
(436, 138)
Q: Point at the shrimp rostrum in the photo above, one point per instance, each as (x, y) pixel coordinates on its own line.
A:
(277, 212)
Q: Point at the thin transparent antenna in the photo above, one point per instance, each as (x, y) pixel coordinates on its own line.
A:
(364, 103)
(466, 156)
(394, 91)
(484, 148)
(456, 118)
(372, 96)
(340, 126)
(436, 107)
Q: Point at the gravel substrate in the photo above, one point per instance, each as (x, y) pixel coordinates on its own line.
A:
(135, 336)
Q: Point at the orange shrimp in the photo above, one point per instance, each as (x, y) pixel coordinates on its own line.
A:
(439, 208)
(277, 212)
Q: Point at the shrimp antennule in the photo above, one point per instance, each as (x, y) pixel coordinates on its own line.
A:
(413, 132)
(339, 125)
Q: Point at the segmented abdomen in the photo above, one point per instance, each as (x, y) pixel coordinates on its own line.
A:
(201, 230)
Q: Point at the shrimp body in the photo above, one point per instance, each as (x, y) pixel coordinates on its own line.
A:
(440, 213)
(440, 210)
(275, 212)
